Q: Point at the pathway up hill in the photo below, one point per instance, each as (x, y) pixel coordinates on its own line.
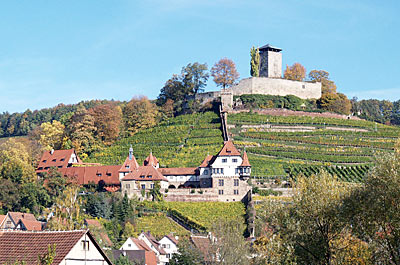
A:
(279, 146)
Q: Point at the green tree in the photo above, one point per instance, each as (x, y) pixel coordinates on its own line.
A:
(155, 192)
(52, 135)
(224, 73)
(255, 62)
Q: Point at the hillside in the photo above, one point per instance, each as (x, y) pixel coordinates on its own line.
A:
(278, 145)
(183, 141)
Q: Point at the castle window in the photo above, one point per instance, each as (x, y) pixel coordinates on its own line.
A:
(224, 160)
(235, 182)
(220, 182)
(151, 186)
(304, 86)
(234, 160)
(236, 192)
(220, 192)
(128, 186)
(143, 187)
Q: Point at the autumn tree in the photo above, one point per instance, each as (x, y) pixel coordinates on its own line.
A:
(255, 62)
(139, 113)
(296, 72)
(108, 122)
(327, 85)
(51, 136)
(335, 102)
(374, 209)
(314, 221)
(224, 73)
(82, 131)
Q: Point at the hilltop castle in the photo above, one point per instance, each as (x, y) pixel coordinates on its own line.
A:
(270, 82)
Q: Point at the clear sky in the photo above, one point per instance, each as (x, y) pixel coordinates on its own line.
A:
(66, 51)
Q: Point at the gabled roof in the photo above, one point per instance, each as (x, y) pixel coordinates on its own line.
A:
(178, 171)
(207, 161)
(58, 159)
(26, 246)
(245, 162)
(129, 165)
(145, 173)
(154, 242)
(142, 256)
(2, 218)
(172, 238)
(140, 244)
(16, 216)
(86, 175)
(229, 149)
(150, 160)
(30, 225)
(103, 235)
(202, 243)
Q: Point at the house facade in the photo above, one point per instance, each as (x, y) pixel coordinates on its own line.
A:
(72, 247)
(222, 177)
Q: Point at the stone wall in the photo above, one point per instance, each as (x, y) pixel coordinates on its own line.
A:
(207, 96)
(278, 87)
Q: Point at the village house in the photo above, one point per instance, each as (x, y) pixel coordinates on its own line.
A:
(20, 221)
(71, 247)
(170, 244)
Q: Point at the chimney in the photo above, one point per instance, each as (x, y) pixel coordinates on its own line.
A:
(52, 151)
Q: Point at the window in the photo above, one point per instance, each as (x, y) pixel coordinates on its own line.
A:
(234, 160)
(142, 176)
(143, 187)
(59, 166)
(235, 182)
(54, 160)
(236, 192)
(128, 186)
(108, 174)
(221, 192)
(151, 186)
(163, 245)
(168, 256)
(85, 244)
(98, 174)
(205, 172)
(129, 245)
(40, 168)
(44, 161)
(304, 86)
(149, 176)
(62, 159)
(220, 182)
(224, 160)
(127, 166)
(222, 171)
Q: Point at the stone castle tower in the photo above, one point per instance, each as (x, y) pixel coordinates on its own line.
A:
(270, 61)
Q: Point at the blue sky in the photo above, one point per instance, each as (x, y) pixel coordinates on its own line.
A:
(65, 51)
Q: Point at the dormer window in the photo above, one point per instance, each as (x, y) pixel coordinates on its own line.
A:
(127, 166)
(150, 176)
(62, 159)
(142, 176)
(98, 174)
(54, 160)
(40, 168)
(108, 174)
(44, 161)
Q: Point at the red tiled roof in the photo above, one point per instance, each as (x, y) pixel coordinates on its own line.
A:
(145, 173)
(16, 216)
(129, 165)
(86, 175)
(172, 238)
(2, 218)
(207, 161)
(26, 246)
(150, 258)
(102, 233)
(245, 162)
(229, 149)
(154, 242)
(58, 159)
(31, 225)
(202, 243)
(178, 171)
(140, 244)
(150, 160)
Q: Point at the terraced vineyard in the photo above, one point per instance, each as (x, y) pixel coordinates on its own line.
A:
(183, 141)
(200, 215)
(289, 145)
(159, 225)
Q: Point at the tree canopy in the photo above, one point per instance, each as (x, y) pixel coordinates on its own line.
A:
(224, 73)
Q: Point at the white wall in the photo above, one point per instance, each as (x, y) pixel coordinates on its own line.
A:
(79, 256)
(129, 245)
(229, 166)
